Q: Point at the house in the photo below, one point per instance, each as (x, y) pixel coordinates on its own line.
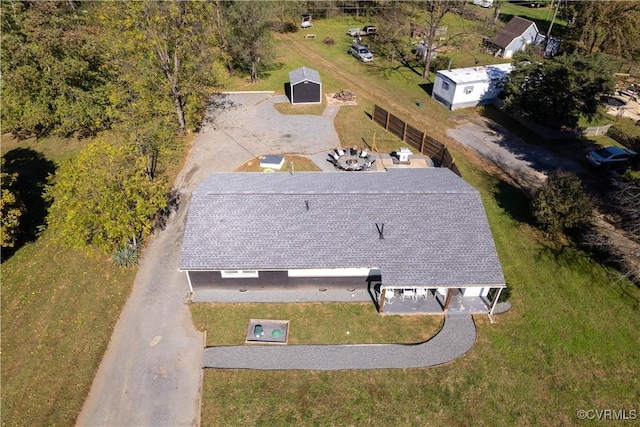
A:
(305, 86)
(411, 240)
(483, 3)
(515, 36)
(468, 87)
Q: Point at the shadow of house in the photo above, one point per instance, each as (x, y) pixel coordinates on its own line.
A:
(33, 170)
(427, 87)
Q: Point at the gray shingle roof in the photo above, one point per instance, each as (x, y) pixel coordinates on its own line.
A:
(514, 28)
(435, 227)
(302, 74)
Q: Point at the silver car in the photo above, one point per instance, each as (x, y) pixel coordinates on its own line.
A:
(611, 157)
(361, 52)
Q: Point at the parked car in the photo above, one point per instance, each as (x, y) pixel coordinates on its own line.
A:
(611, 157)
(368, 30)
(306, 21)
(361, 52)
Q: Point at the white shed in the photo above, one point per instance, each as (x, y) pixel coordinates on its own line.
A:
(468, 87)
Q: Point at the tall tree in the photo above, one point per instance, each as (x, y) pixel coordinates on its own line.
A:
(54, 77)
(432, 13)
(165, 54)
(394, 21)
(104, 197)
(608, 26)
(556, 92)
(250, 39)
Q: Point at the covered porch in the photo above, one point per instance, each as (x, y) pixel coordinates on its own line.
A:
(424, 300)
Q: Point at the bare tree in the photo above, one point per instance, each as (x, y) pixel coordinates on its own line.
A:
(626, 200)
(433, 12)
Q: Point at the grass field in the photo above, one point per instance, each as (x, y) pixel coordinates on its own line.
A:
(570, 342)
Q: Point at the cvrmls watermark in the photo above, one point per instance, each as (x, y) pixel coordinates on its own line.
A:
(607, 414)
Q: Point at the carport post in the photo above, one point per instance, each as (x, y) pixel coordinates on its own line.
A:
(448, 300)
(495, 301)
(189, 281)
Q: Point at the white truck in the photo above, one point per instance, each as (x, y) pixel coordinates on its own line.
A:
(368, 30)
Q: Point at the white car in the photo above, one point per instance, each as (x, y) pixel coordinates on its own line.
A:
(361, 52)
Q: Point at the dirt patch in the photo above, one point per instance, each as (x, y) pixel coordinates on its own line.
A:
(331, 100)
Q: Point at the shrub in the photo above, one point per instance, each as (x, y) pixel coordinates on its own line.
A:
(440, 62)
(561, 203)
(125, 257)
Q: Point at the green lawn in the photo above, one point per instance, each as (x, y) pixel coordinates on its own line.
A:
(315, 323)
(59, 307)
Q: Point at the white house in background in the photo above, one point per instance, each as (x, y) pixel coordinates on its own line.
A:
(468, 87)
(483, 3)
(515, 36)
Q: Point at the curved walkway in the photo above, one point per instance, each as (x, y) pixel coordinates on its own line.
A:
(457, 336)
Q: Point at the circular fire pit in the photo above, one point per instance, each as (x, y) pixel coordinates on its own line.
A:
(350, 159)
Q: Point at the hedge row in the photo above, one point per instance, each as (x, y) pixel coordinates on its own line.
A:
(631, 142)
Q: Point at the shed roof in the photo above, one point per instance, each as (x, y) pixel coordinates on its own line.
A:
(435, 228)
(515, 28)
(477, 74)
(302, 74)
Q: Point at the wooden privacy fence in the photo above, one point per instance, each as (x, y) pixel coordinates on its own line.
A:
(416, 138)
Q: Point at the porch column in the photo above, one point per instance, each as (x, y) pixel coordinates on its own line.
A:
(448, 299)
(189, 281)
(383, 295)
(495, 301)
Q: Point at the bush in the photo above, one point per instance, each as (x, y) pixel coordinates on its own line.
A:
(561, 203)
(126, 257)
(440, 62)
(624, 138)
(504, 294)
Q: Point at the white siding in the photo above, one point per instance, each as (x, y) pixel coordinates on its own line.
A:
(444, 90)
(519, 43)
(333, 272)
(469, 93)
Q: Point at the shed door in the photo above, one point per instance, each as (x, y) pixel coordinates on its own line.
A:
(306, 91)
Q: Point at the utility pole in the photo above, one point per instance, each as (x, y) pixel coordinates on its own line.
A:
(553, 19)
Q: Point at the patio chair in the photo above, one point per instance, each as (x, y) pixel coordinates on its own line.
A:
(422, 292)
(388, 295)
(410, 293)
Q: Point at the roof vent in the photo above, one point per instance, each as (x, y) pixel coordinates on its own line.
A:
(380, 228)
